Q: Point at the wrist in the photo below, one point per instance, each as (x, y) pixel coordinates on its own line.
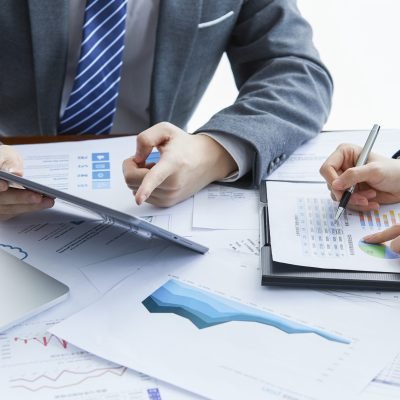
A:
(218, 162)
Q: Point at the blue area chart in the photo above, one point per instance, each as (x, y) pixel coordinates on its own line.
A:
(205, 309)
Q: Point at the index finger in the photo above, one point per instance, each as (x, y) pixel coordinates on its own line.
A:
(155, 177)
(384, 236)
(332, 165)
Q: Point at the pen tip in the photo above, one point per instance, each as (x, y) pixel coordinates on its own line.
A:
(338, 213)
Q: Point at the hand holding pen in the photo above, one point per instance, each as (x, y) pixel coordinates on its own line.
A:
(377, 182)
(361, 161)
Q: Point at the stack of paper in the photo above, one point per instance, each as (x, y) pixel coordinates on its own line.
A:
(148, 321)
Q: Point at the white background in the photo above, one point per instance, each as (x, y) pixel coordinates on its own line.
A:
(359, 41)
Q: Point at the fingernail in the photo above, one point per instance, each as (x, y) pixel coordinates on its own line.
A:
(142, 198)
(48, 202)
(368, 237)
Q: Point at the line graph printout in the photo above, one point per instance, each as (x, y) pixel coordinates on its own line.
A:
(35, 364)
(203, 323)
(301, 217)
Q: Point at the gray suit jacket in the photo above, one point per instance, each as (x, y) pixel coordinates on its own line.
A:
(285, 91)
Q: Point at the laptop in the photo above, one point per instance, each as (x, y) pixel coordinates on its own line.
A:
(25, 291)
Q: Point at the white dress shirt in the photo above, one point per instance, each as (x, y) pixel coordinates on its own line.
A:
(132, 115)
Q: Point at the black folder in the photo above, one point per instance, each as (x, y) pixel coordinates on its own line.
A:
(280, 274)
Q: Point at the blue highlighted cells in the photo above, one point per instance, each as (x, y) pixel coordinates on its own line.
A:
(101, 184)
(101, 175)
(101, 165)
(100, 156)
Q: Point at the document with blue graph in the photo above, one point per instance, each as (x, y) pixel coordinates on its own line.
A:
(304, 232)
(206, 325)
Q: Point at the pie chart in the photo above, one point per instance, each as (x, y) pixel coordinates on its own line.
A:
(378, 250)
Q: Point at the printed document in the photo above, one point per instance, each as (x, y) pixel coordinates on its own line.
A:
(205, 324)
(304, 232)
(305, 162)
(92, 169)
(225, 207)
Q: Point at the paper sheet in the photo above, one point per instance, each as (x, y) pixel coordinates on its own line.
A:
(92, 170)
(34, 364)
(385, 386)
(305, 162)
(74, 243)
(301, 218)
(225, 207)
(247, 343)
(241, 241)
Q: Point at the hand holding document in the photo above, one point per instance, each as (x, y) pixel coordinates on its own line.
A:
(13, 201)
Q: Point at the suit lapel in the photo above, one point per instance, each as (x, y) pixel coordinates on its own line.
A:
(49, 30)
(176, 33)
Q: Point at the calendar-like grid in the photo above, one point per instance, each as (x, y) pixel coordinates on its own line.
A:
(320, 235)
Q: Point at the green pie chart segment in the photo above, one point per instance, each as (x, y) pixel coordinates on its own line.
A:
(378, 250)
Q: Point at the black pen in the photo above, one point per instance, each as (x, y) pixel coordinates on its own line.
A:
(362, 160)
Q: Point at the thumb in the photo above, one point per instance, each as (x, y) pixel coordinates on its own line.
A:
(10, 160)
(155, 136)
(351, 177)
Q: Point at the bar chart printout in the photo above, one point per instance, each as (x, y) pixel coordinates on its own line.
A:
(378, 220)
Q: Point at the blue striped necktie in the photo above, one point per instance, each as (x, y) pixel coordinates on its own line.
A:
(92, 103)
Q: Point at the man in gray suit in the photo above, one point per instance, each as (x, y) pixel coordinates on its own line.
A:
(171, 50)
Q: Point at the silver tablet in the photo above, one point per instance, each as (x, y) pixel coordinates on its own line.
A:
(135, 224)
